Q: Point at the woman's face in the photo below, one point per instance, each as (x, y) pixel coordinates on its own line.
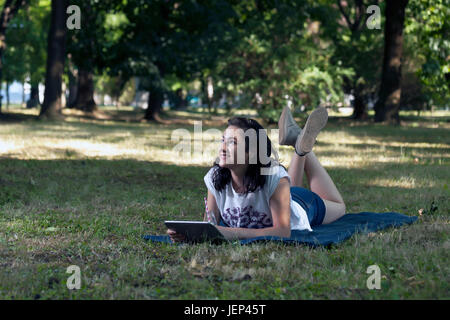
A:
(232, 150)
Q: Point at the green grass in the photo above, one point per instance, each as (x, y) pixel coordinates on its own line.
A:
(82, 192)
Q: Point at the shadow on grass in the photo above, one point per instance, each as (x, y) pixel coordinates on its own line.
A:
(92, 213)
(106, 181)
(16, 117)
(171, 191)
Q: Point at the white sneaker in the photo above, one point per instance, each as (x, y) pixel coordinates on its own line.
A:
(288, 128)
(315, 122)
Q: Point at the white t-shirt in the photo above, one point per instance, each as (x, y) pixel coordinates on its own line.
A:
(252, 210)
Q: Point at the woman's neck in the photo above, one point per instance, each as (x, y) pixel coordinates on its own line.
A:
(237, 177)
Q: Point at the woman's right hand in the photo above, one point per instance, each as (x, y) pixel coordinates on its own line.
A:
(175, 237)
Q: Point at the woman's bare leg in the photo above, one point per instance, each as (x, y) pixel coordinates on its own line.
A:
(296, 170)
(319, 182)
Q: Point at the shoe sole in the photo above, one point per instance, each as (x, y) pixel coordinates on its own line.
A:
(316, 121)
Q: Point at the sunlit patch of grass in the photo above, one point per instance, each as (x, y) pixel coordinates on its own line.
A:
(405, 182)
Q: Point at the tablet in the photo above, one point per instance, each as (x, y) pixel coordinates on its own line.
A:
(196, 231)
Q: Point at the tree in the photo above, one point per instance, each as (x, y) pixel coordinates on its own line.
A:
(38, 16)
(356, 46)
(172, 38)
(85, 50)
(13, 67)
(56, 54)
(360, 51)
(25, 54)
(427, 32)
(388, 104)
(280, 58)
(99, 48)
(10, 9)
(113, 87)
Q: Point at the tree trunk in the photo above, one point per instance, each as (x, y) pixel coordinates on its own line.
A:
(85, 91)
(355, 21)
(34, 97)
(359, 108)
(73, 76)
(23, 94)
(10, 8)
(7, 94)
(155, 101)
(72, 90)
(178, 99)
(204, 89)
(56, 54)
(388, 104)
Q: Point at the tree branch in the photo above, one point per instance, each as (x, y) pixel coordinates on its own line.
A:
(359, 13)
(17, 5)
(346, 17)
(9, 10)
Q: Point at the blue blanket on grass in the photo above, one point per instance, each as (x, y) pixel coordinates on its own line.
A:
(333, 233)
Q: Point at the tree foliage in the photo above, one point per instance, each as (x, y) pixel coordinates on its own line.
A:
(26, 52)
(357, 47)
(262, 53)
(428, 33)
(181, 38)
(281, 58)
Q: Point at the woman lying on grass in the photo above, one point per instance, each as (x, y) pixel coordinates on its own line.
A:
(250, 197)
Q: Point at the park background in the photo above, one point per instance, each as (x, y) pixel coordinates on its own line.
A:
(92, 92)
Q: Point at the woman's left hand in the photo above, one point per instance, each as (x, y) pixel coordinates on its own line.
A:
(175, 237)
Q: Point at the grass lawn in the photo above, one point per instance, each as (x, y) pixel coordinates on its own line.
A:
(82, 192)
